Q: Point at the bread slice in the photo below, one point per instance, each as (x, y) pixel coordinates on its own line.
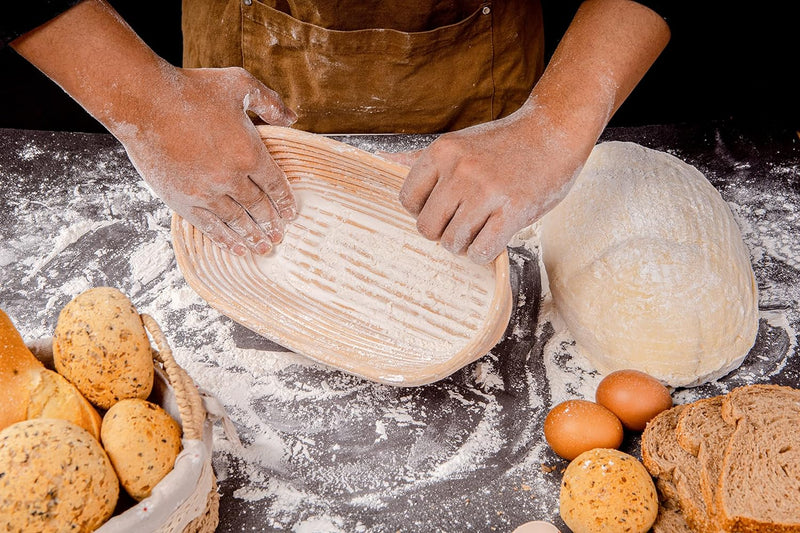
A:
(677, 471)
(670, 520)
(759, 486)
(703, 432)
(659, 455)
(699, 422)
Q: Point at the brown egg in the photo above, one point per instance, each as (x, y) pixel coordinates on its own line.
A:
(635, 397)
(576, 426)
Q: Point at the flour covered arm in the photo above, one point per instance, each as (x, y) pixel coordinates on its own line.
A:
(473, 189)
(185, 130)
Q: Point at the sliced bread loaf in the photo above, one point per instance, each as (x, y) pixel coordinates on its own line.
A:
(660, 455)
(759, 486)
(703, 432)
(677, 471)
(670, 520)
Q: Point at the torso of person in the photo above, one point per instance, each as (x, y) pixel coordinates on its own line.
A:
(376, 66)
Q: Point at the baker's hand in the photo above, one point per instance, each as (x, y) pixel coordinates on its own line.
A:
(473, 189)
(203, 156)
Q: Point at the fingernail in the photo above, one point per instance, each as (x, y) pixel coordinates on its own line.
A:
(275, 236)
(288, 213)
(263, 247)
(481, 257)
(292, 116)
(239, 249)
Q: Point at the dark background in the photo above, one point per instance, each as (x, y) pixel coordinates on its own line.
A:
(725, 61)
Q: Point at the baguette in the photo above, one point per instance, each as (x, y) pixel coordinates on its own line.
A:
(18, 367)
(32, 391)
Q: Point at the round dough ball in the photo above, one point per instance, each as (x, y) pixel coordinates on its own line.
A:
(142, 441)
(56, 477)
(101, 346)
(648, 268)
(607, 490)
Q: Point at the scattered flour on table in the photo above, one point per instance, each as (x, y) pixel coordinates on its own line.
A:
(68, 236)
(30, 151)
(320, 445)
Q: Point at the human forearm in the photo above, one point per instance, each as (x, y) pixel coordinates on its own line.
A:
(606, 51)
(473, 189)
(185, 130)
(99, 61)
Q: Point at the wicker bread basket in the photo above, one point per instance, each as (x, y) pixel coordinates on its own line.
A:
(186, 500)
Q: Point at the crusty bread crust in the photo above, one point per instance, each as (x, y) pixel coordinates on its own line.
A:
(52, 396)
(677, 469)
(32, 391)
(18, 366)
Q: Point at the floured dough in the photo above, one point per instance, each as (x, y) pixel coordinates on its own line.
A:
(648, 268)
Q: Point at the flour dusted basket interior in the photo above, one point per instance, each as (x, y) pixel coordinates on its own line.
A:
(186, 500)
(353, 285)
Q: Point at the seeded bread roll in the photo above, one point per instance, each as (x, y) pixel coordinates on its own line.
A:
(142, 441)
(607, 490)
(56, 478)
(101, 346)
(32, 391)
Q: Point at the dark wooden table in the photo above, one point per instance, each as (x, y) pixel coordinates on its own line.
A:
(324, 451)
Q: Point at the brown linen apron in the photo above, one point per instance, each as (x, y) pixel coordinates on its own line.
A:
(376, 66)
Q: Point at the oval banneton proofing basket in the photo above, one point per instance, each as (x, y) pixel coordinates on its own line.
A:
(186, 500)
(353, 285)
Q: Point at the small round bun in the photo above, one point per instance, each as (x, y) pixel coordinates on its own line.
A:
(101, 346)
(56, 478)
(607, 490)
(142, 441)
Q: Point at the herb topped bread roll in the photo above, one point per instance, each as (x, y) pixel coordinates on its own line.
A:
(56, 478)
(101, 346)
(142, 441)
(607, 490)
(32, 391)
